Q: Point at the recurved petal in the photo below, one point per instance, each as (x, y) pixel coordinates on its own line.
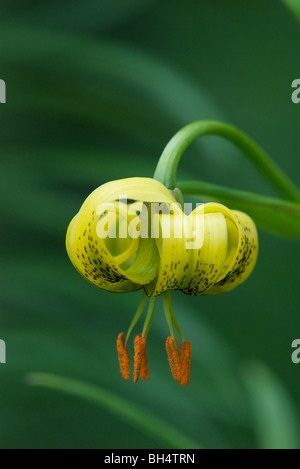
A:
(192, 252)
(140, 189)
(114, 263)
(207, 262)
(242, 252)
(91, 257)
(219, 258)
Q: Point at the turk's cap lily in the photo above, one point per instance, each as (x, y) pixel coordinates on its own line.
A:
(118, 243)
(126, 260)
(132, 234)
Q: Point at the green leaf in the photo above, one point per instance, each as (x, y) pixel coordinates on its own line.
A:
(106, 83)
(277, 216)
(294, 6)
(79, 16)
(274, 415)
(127, 411)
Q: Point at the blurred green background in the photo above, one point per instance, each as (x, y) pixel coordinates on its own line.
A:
(95, 89)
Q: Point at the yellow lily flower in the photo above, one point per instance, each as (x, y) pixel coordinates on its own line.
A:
(118, 242)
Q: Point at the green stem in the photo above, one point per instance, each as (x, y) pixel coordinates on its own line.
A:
(173, 317)
(137, 314)
(149, 316)
(166, 302)
(124, 409)
(167, 165)
(169, 314)
(233, 195)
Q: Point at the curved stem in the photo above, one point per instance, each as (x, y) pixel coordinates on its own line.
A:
(167, 165)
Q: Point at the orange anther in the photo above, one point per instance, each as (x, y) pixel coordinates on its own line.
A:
(144, 372)
(123, 355)
(185, 360)
(140, 358)
(173, 357)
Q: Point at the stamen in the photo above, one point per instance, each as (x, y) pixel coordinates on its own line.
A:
(123, 355)
(137, 314)
(166, 303)
(139, 356)
(144, 373)
(170, 315)
(149, 317)
(173, 317)
(172, 348)
(185, 360)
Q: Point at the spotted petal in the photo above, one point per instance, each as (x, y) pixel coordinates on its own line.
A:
(113, 263)
(243, 252)
(223, 256)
